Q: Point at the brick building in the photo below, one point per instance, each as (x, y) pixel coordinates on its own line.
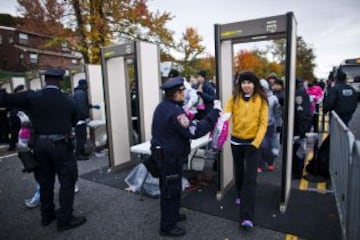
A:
(22, 51)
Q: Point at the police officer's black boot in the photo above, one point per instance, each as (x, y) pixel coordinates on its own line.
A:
(74, 222)
(175, 232)
(181, 217)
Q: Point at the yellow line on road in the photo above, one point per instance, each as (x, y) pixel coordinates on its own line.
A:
(304, 184)
(291, 237)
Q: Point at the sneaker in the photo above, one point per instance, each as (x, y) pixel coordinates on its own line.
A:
(247, 224)
(237, 201)
(31, 204)
(271, 168)
(259, 170)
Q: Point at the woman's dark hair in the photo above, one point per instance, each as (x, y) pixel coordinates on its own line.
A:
(250, 76)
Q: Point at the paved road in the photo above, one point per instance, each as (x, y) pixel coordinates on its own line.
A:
(111, 213)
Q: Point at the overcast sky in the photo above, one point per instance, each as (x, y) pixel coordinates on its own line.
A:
(331, 27)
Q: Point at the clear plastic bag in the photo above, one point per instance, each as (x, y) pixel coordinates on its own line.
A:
(135, 180)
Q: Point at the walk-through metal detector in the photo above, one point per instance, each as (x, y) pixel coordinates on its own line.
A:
(116, 65)
(269, 28)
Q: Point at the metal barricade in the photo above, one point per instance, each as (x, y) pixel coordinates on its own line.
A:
(353, 200)
(345, 176)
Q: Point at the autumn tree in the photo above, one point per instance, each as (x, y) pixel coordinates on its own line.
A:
(42, 17)
(305, 57)
(207, 63)
(97, 23)
(190, 47)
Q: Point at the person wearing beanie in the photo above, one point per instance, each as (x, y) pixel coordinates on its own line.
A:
(278, 90)
(342, 98)
(248, 106)
(206, 93)
(170, 145)
(270, 141)
(81, 97)
(272, 79)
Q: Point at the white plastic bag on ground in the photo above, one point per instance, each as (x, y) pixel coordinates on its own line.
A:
(135, 179)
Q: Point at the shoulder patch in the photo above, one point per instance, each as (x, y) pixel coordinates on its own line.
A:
(347, 92)
(183, 120)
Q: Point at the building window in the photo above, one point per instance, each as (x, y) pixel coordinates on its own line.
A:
(33, 58)
(65, 47)
(23, 38)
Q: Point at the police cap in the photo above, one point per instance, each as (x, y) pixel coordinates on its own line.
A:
(55, 72)
(173, 83)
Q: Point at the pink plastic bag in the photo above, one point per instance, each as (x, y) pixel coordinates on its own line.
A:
(221, 131)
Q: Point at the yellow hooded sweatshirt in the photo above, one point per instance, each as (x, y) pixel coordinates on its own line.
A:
(249, 118)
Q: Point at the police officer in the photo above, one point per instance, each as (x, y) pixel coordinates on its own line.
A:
(171, 132)
(302, 125)
(53, 113)
(341, 98)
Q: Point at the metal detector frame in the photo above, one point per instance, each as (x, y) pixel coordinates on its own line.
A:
(269, 28)
(146, 61)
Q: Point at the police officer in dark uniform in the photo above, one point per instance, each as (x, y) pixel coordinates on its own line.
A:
(303, 119)
(171, 132)
(341, 98)
(53, 114)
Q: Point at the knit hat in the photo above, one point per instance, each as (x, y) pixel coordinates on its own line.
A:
(173, 73)
(250, 76)
(202, 73)
(82, 82)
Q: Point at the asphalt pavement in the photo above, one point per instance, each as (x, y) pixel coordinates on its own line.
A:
(111, 213)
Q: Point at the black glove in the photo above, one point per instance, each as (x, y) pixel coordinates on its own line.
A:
(278, 129)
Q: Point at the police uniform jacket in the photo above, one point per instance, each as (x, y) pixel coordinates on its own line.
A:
(51, 111)
(172, 130)
(303, 115)
(341, 98)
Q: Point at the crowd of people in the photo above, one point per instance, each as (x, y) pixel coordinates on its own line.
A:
(188, 110)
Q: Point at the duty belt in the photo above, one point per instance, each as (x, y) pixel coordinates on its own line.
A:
(52, 137)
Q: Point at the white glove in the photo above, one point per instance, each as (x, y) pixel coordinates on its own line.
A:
(217, 105)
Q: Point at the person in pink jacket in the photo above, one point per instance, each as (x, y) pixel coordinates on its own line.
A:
(316, 95)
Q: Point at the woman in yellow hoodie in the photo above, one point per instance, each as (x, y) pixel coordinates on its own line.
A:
(249, 108)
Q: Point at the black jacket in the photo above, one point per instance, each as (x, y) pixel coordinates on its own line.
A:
(81, 97)
(341, 98)
(51, 111)
(303, 117)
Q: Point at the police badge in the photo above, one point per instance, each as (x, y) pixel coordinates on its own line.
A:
(183, 120)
